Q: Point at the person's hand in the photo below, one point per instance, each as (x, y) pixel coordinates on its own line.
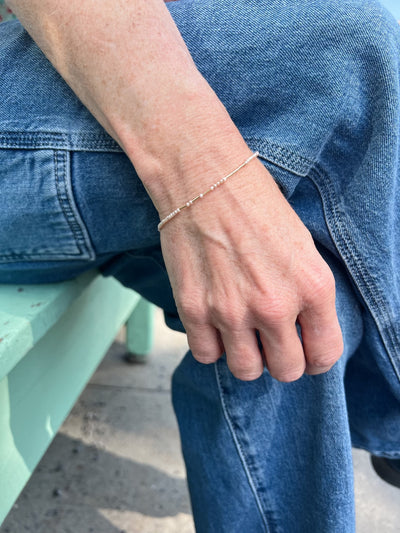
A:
(240, 261)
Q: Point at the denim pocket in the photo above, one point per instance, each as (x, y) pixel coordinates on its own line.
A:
(39, 219)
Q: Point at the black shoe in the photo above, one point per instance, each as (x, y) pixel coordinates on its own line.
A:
(387, 469)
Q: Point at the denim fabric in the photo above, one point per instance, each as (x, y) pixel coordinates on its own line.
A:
(314, 87)
(273, 456)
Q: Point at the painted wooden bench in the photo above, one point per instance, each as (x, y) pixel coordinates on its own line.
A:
(52, 338)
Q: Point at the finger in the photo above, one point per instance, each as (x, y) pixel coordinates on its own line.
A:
(243, 354)
(204, 343)
(320, 330)
(322, 339)
(283, 352)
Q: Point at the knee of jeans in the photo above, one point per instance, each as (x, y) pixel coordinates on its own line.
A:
(368, 42)
(365, 23)
(357, 44)
(271, 32)
(362, 27)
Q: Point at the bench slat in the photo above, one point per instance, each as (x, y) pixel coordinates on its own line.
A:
(41, 389)
(27, 312)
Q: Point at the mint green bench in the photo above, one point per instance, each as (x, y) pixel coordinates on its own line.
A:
(52, 338)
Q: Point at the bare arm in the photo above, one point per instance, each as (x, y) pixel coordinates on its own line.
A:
(252, 267)
(128, 64)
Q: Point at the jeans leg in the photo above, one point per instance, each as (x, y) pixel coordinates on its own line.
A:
(318, 97)
(266, 456)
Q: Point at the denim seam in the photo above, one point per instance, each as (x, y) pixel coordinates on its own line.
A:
(62, 200)
(347, 249)
(85, 251)
(57, 256)
(57, 140)
(281, 156)
(67, 208)
(240, 451)
(361, 445)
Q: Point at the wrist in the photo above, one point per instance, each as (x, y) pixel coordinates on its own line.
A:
(211, 188)
(194, 145)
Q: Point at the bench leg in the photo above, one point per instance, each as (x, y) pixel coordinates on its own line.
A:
(140, 331)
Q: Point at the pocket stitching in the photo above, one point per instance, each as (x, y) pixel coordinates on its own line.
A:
(75, 224)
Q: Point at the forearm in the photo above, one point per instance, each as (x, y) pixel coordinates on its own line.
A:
(128, 64)
(239, 263)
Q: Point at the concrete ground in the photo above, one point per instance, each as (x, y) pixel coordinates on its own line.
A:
(115, 465)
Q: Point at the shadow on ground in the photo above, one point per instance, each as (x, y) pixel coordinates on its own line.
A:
(78, 479)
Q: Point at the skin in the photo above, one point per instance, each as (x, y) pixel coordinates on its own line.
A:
(251, 266)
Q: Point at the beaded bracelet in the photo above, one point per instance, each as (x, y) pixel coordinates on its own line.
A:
(201, 195)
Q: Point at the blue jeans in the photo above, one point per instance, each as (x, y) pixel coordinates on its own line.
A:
(313, 85)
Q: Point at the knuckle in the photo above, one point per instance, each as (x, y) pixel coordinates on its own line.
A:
(205, 349)
(326, 359)
(246, 366)
(288, 375)
(228, 317)
(320, 283)
(288, 370)
(192, 310)
(275, 312)
(206, 358)
(245, 373)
